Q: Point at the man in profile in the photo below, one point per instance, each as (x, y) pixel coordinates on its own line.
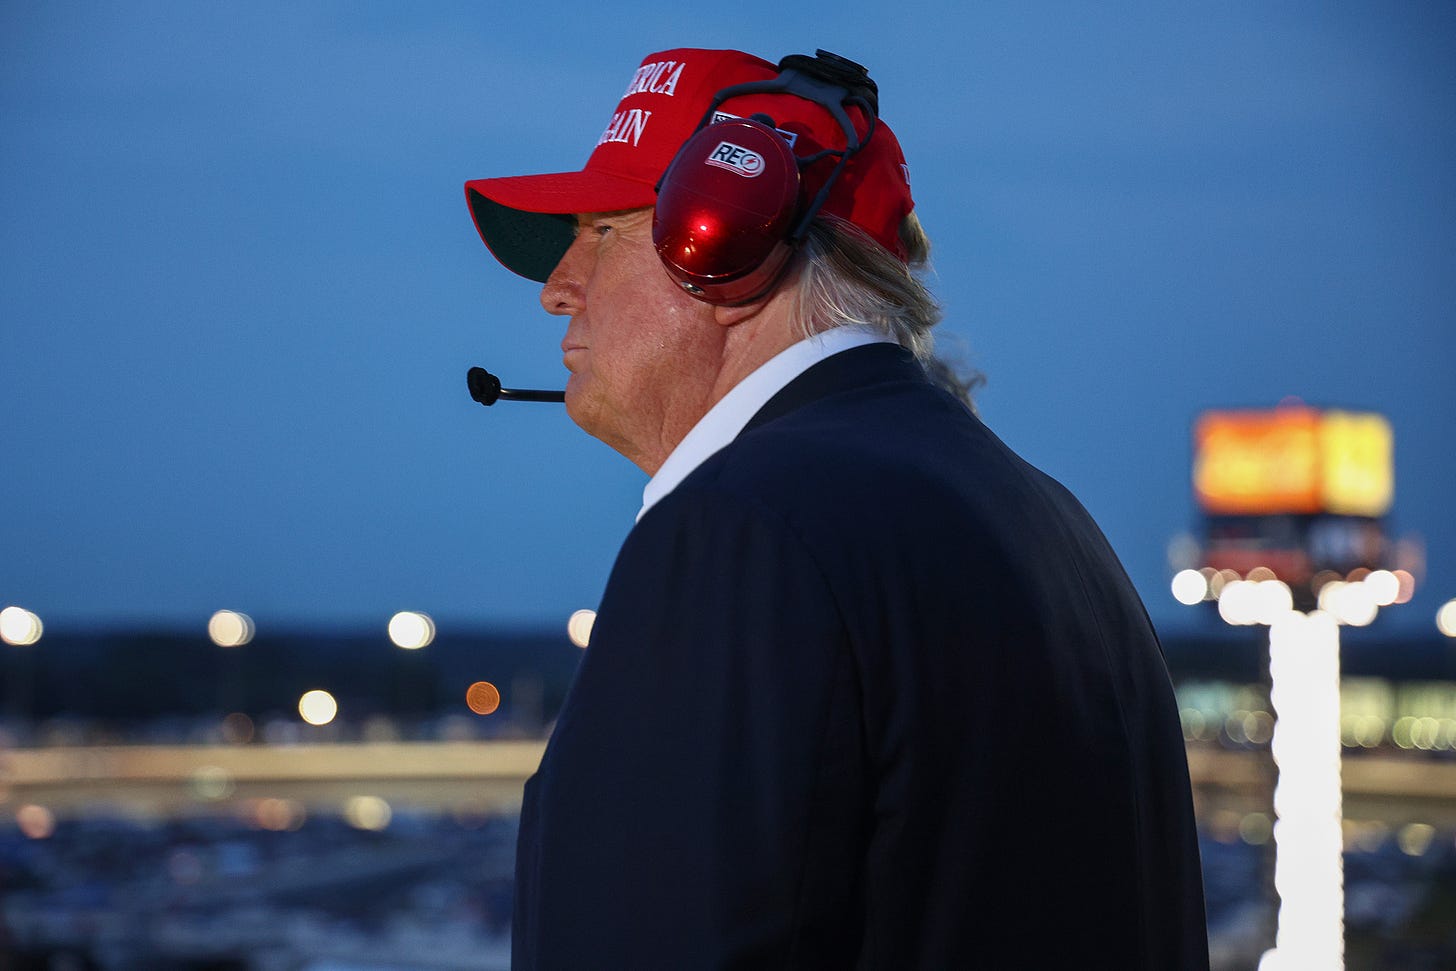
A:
(865, 689)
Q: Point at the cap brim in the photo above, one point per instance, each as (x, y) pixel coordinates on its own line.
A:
(528, 221)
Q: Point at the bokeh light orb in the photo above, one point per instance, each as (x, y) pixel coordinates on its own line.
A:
(482, 697)
(1238, 603)
(19, 626)
(1414, 839)
(579, 627)
(1189, 587)
(210, 783)
(1384, 587)
(36, 822)
(1446, 618)
(278, 815)
(1256, 829)
(1354, 605)
(230, 628)
(1407, 583)
(367, 812)
(1273, 599)
(317, 707)
(411, 630)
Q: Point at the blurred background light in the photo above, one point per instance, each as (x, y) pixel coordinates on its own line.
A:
(19, 626)
(1238, 603)
(317, 707)
(411, 630)
(1407, 586)
(1370, 836)
(36, 822)
(1415, 838)
(1272, 600)
(1355, 605)
(210, 782)
(230, 628)
(482, 697)
(1329, 596)
(368, 812)
(1384, 587)
(1446, 618)
(1189, 587)
(1255, 829)
(278, 815)
(579, 627)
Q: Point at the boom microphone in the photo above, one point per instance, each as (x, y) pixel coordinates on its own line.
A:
(486, 389)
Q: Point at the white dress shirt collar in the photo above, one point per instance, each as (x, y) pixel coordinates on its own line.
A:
(726, 419)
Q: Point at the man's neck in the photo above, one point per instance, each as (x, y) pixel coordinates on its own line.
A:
(752, 337)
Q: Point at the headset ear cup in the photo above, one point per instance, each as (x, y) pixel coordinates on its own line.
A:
(725, 208)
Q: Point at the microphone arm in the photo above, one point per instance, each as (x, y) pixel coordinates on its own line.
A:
(486, 389)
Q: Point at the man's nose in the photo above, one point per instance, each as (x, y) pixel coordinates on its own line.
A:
(563, 293)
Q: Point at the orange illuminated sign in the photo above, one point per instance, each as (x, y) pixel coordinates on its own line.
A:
(1293, 460)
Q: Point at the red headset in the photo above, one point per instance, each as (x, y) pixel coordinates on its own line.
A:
(730, 207)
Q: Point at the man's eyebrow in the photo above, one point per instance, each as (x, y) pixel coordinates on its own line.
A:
(613, 214)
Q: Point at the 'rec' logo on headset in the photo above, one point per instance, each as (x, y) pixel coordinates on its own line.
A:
(736, 158)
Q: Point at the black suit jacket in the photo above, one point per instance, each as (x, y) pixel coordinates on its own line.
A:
(865, 691)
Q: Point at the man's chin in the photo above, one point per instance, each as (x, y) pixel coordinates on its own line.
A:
(578, 401)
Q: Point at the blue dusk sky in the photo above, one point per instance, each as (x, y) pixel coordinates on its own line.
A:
(239, 285)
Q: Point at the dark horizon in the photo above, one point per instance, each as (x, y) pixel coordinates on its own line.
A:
(134, 675)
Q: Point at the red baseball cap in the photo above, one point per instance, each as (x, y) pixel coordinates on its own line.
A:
(529, 221)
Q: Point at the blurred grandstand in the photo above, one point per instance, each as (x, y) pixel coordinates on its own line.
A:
(165, 802)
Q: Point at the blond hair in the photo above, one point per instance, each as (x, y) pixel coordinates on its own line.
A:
(846, 278)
